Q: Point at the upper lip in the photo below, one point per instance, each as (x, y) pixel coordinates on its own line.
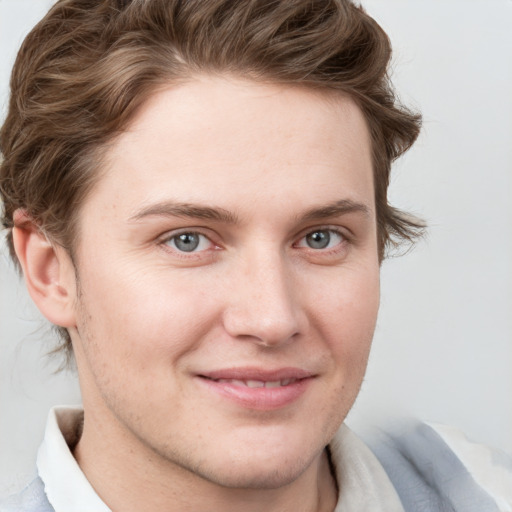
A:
(259, 374)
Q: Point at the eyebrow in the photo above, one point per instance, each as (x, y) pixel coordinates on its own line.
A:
(173, 209)
(336, 209)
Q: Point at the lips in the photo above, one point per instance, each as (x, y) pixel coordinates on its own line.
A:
(259, 389)
(258, 383)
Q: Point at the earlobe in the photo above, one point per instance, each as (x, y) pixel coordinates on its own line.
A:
(48, 271)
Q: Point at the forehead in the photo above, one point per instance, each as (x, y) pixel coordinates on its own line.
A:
(215, 135)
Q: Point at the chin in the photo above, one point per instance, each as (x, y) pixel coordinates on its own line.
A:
(253, 475)
(262, 463)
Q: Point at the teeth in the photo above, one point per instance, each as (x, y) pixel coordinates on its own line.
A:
(235, 382)
(257, 383)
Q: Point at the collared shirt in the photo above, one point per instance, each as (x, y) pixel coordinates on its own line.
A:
(362, 481)
(66, 487)
(432, 468)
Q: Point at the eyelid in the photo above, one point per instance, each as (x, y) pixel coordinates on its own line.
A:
(328, 255)
(164, 239)
(345, 233)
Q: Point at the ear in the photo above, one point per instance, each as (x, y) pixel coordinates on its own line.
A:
(48, 270)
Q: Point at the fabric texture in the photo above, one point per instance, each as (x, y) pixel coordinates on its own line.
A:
(362, 482)
(491, 469)
(31, 499)
(421, 468)
(66, 486)
(428, 475)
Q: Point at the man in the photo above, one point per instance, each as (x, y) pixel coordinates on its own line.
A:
(196, 195)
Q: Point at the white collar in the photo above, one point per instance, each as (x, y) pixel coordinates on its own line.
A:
(362, 481)
(66, 487)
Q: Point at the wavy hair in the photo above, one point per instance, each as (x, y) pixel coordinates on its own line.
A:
(89, 65)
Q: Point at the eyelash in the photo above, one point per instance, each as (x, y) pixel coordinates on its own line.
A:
(172, 239)
(343, 238)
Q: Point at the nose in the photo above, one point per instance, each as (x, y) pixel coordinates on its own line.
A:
(264, 305)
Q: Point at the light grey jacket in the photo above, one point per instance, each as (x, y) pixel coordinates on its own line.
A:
(425, 474)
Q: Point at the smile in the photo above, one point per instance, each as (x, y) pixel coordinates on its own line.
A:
(258, 389)
(257, 383)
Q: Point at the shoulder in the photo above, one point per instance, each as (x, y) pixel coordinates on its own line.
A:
(30, 499)
(436, 468)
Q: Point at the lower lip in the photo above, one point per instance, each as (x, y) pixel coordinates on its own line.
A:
(262, 399)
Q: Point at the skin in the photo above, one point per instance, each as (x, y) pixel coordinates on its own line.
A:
(277, 168)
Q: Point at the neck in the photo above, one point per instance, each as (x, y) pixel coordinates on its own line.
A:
(129, 476)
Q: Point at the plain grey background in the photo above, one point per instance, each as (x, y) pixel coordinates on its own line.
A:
(443, 345)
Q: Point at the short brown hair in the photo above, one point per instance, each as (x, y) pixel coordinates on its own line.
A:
(86, 68)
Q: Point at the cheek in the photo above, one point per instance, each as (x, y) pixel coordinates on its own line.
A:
(146, 317)
(348, 309)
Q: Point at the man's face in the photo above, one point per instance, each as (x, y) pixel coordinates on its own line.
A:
(229, 280)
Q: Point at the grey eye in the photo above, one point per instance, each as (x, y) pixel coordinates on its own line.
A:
(186, 242)
(319, 239)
